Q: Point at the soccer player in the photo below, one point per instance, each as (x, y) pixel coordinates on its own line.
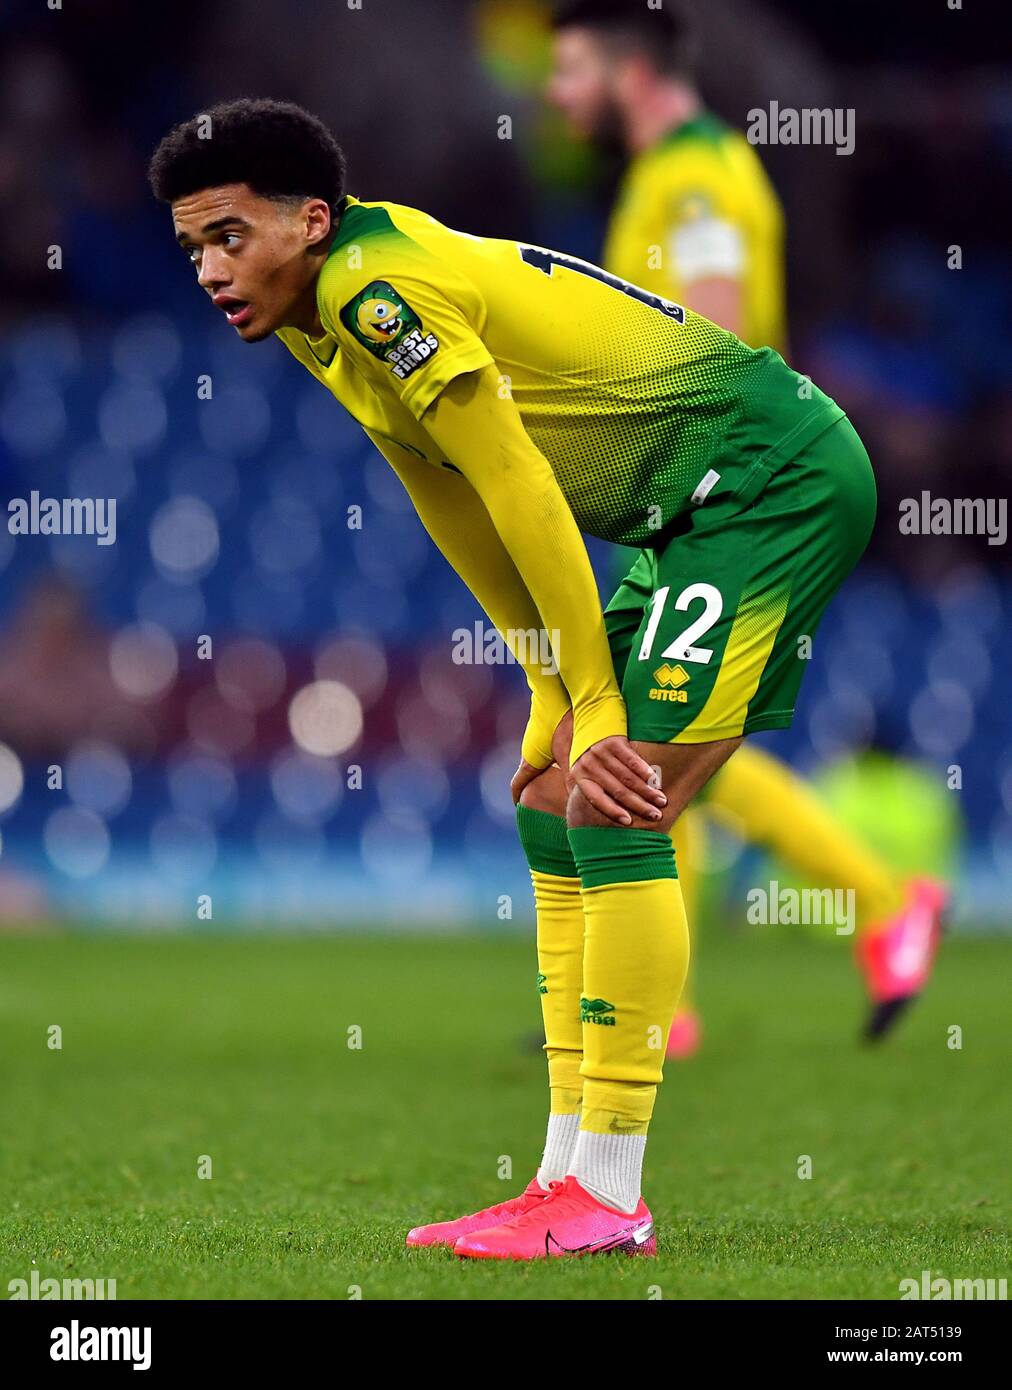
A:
(698, 221)
(524, 397)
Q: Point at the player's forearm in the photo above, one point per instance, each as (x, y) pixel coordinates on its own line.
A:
(549, 705)
(483, 436)
(457, 520)
(552, 559)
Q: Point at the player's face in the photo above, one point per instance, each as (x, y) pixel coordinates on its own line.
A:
(582, 84)
(251, 257)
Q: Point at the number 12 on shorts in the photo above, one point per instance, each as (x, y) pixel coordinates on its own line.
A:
(681, 649)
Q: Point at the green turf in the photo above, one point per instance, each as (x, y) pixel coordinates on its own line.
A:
(323, 1155)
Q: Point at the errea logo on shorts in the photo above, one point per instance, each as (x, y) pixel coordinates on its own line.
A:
(668, 679)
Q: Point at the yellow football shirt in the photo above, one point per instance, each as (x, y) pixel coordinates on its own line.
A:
(622, 410)
(632, 399)
(699, 204)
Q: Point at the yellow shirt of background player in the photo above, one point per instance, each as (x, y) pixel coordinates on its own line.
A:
(696, 205)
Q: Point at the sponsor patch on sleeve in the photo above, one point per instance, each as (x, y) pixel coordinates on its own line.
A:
(386, 325)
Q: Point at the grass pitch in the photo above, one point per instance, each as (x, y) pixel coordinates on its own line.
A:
(323, 1155)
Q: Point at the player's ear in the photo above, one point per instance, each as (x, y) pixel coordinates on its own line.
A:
(318, 221)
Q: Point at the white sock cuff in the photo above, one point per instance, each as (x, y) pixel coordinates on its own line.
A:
(610, 1167)
(559, 1144)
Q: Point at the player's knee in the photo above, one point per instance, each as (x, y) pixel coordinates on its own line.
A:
(546, 793)
(579, 812)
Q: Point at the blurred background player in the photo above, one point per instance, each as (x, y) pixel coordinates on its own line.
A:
(697, 220)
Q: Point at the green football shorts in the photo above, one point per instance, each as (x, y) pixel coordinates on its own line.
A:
(710, 633)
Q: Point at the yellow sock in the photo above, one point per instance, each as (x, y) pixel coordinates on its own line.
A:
(761, 798)
(560, 979)
(560, 931)
(636, 953)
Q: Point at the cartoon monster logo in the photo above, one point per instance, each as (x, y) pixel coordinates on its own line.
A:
(379, 317)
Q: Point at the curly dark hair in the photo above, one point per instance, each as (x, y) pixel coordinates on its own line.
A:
(277, 148)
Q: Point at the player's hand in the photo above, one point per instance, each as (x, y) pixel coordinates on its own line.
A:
(562, 742)
(524, 774)
(618, 782)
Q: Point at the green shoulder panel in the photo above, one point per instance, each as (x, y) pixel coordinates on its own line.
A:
(705, 128)
(340, 291)
(361, 223)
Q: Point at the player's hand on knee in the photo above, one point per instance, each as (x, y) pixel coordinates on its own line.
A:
(617, 782)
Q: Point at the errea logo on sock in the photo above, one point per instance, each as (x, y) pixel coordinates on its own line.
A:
(597, 1011)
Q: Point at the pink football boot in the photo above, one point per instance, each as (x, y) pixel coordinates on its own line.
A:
(568, 1222)
(448, 1232)
(896, 957)
(686, 1035)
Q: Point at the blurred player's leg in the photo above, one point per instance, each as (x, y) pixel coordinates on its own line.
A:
(688, 835)
(899, 924)
(896, 956)
(772, 807)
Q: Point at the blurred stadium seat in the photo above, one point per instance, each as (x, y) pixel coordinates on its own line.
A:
(331, 648)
